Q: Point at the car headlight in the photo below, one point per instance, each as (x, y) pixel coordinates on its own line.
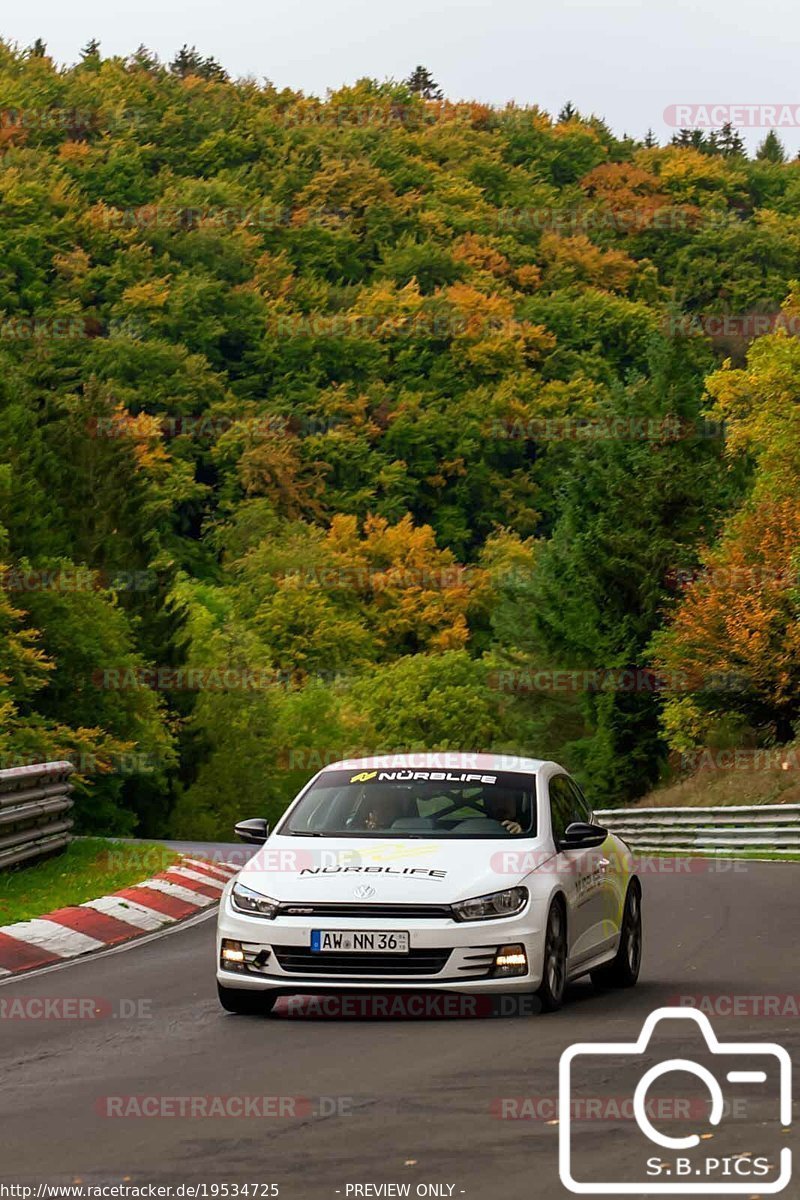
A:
(245, 900)
(496, 904)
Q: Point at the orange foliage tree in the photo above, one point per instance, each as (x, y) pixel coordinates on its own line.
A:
(735, 634)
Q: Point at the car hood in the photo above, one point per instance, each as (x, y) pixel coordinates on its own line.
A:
(400, 871)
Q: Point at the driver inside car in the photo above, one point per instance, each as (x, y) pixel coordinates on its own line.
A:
(380, 809)
(505, 810)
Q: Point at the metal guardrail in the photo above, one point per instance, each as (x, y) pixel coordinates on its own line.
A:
(765, 827)
(34, 811)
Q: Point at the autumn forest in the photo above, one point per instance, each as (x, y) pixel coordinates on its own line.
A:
(383, 421)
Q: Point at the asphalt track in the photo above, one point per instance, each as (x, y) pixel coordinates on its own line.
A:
(406, 1101)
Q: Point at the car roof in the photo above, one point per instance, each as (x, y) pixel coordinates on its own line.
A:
(444, 760)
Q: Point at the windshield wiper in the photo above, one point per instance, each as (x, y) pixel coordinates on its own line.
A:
(400, 835)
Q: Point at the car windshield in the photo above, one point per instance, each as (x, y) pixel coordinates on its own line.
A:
(411, 803)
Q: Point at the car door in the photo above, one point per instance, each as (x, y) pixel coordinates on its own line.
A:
(581, 872)
(606, 875)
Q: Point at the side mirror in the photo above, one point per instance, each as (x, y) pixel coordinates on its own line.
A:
(255, 831)
(580, 835)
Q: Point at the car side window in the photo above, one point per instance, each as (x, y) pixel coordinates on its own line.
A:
(582, 806)
(562, 805)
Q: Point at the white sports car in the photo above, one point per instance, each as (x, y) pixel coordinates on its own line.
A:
(471, 873)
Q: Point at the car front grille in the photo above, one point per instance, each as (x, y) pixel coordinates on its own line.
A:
(370, 912)
(300, 960)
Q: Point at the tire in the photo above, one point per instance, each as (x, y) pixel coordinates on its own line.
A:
(247, 1003)
(554, 970)
(623, 970)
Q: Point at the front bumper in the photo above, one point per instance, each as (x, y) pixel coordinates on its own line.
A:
(443, 954)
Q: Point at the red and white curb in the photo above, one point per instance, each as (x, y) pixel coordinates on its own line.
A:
(181, 891)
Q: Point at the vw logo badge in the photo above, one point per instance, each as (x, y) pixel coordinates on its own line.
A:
(364, 892)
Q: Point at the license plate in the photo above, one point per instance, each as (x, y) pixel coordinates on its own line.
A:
(355, 941)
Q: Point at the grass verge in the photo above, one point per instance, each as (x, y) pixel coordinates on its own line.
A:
(766, 777)
(88, 868)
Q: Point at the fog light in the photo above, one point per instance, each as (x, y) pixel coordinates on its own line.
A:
(511, 960)
(232, 952)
